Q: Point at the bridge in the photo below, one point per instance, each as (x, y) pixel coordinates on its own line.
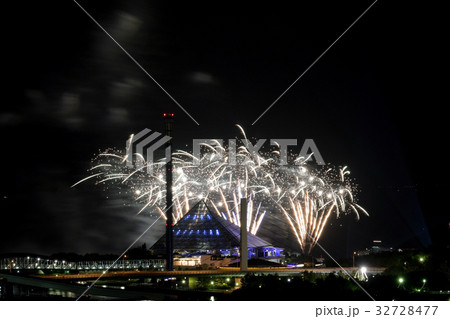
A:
(36, 263)
(58, 276)
(148, 267)
(220, 272)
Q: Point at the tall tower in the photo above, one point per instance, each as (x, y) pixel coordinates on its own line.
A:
(243, 239)
(168, 123)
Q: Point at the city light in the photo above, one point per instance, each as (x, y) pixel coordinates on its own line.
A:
(361, 274)
(401, 280)
(424, 281)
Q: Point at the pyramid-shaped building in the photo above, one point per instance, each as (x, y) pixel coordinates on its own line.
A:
(201, 231)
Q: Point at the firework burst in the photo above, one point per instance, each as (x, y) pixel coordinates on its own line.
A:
(211, 179)
(307, 197)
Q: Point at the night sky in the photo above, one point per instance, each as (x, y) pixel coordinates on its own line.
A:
(374, 102)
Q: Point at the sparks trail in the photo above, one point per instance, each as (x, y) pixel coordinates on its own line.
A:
(307, 197)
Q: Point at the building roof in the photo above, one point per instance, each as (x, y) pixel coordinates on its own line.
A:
(200, 229)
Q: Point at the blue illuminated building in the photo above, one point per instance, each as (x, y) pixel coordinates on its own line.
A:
(202, 231)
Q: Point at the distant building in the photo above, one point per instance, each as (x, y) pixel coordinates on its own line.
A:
(201, 232)
(210, 261)
(376, 248)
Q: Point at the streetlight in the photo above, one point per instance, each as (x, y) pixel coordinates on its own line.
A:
(401, 280)
(361, 274)
(354, 254)
(424, 281)
(123, 262)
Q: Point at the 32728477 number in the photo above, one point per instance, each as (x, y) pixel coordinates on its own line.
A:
(406, 311)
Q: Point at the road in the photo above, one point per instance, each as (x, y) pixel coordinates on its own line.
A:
(225, 271)
(79, 289)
